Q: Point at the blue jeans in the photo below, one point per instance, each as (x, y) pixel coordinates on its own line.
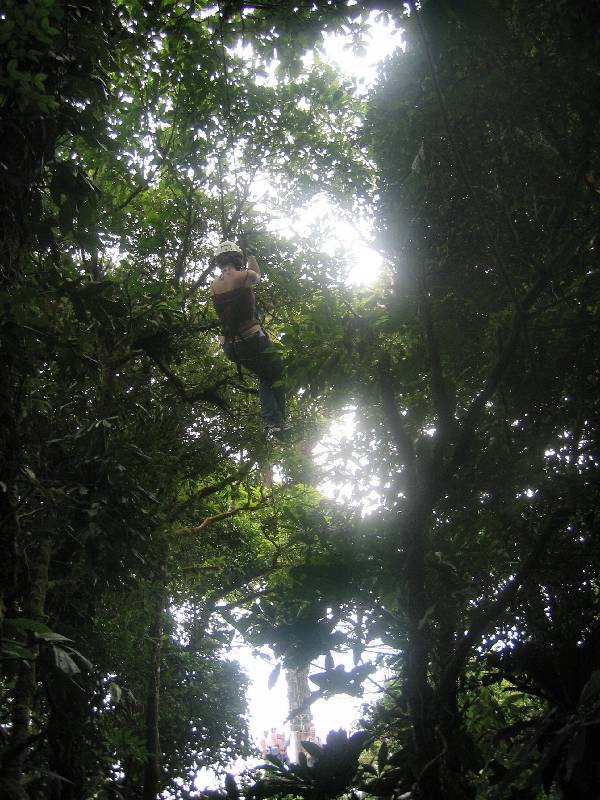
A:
(257, 354)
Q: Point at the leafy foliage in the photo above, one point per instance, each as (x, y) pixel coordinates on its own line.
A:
(331, 774)
(138, 528)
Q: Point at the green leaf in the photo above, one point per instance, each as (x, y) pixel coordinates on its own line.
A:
(424, 619)
(312, 748)
(274, 676)
(25, 624)
(14, 650)
(50, 637)
(63, 661)
(116, 693)
(382, 755)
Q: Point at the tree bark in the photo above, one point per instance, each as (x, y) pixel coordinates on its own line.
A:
(418, 688)
(298, 691)
(26, 679)
(152, 766)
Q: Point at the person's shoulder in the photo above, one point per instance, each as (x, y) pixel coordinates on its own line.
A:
(242, 279)
(223, 284)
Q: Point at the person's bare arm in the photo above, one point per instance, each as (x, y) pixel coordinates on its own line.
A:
(246, 277)
(252, 266)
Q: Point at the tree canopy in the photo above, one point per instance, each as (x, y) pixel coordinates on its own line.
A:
(144, 520)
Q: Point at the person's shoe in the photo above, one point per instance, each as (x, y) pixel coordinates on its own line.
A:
(279, 432)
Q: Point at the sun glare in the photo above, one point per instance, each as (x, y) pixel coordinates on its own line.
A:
(349, 239)
(361, 60)
(347, 236)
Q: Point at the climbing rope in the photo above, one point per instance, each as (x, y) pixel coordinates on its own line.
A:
(230, 131)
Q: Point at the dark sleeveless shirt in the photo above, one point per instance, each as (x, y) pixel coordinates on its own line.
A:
(236, 310)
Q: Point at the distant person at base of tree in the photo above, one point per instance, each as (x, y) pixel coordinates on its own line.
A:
(282, 744)
(312, 737)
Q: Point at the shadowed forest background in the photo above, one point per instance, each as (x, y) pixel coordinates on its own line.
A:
(144, 521)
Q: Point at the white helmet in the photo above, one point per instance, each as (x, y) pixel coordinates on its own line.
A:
(227, 247)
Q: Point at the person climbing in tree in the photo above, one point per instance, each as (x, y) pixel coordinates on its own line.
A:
(244, 340)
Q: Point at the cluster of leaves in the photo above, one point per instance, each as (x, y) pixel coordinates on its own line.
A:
(486, 205)
(331, 772)
(121, 423)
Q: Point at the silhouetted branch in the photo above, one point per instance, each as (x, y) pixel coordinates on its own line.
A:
(395, 422)
(487, 615)
(209, 395)
(439, 388)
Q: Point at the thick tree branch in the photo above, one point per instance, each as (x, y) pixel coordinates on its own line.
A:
(199, 281)
(132, 195)
(249, 595)
(241, 388)
(440, 395)
(520, 316)
(488, 614)
(494, 378)
(142, 187)
(229, 227)
(152, 763)
(185, 244)
(232, 512)
(469, 424)
(207, 491)
(395, 422)
(192, 396)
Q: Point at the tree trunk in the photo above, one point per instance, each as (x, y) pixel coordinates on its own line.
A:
(152, 771)
(438, 734)
(26, 678)
(66, 736)
(22, 153)
(298, 691)
(460, 752)
(428, 747)
(9, 458)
